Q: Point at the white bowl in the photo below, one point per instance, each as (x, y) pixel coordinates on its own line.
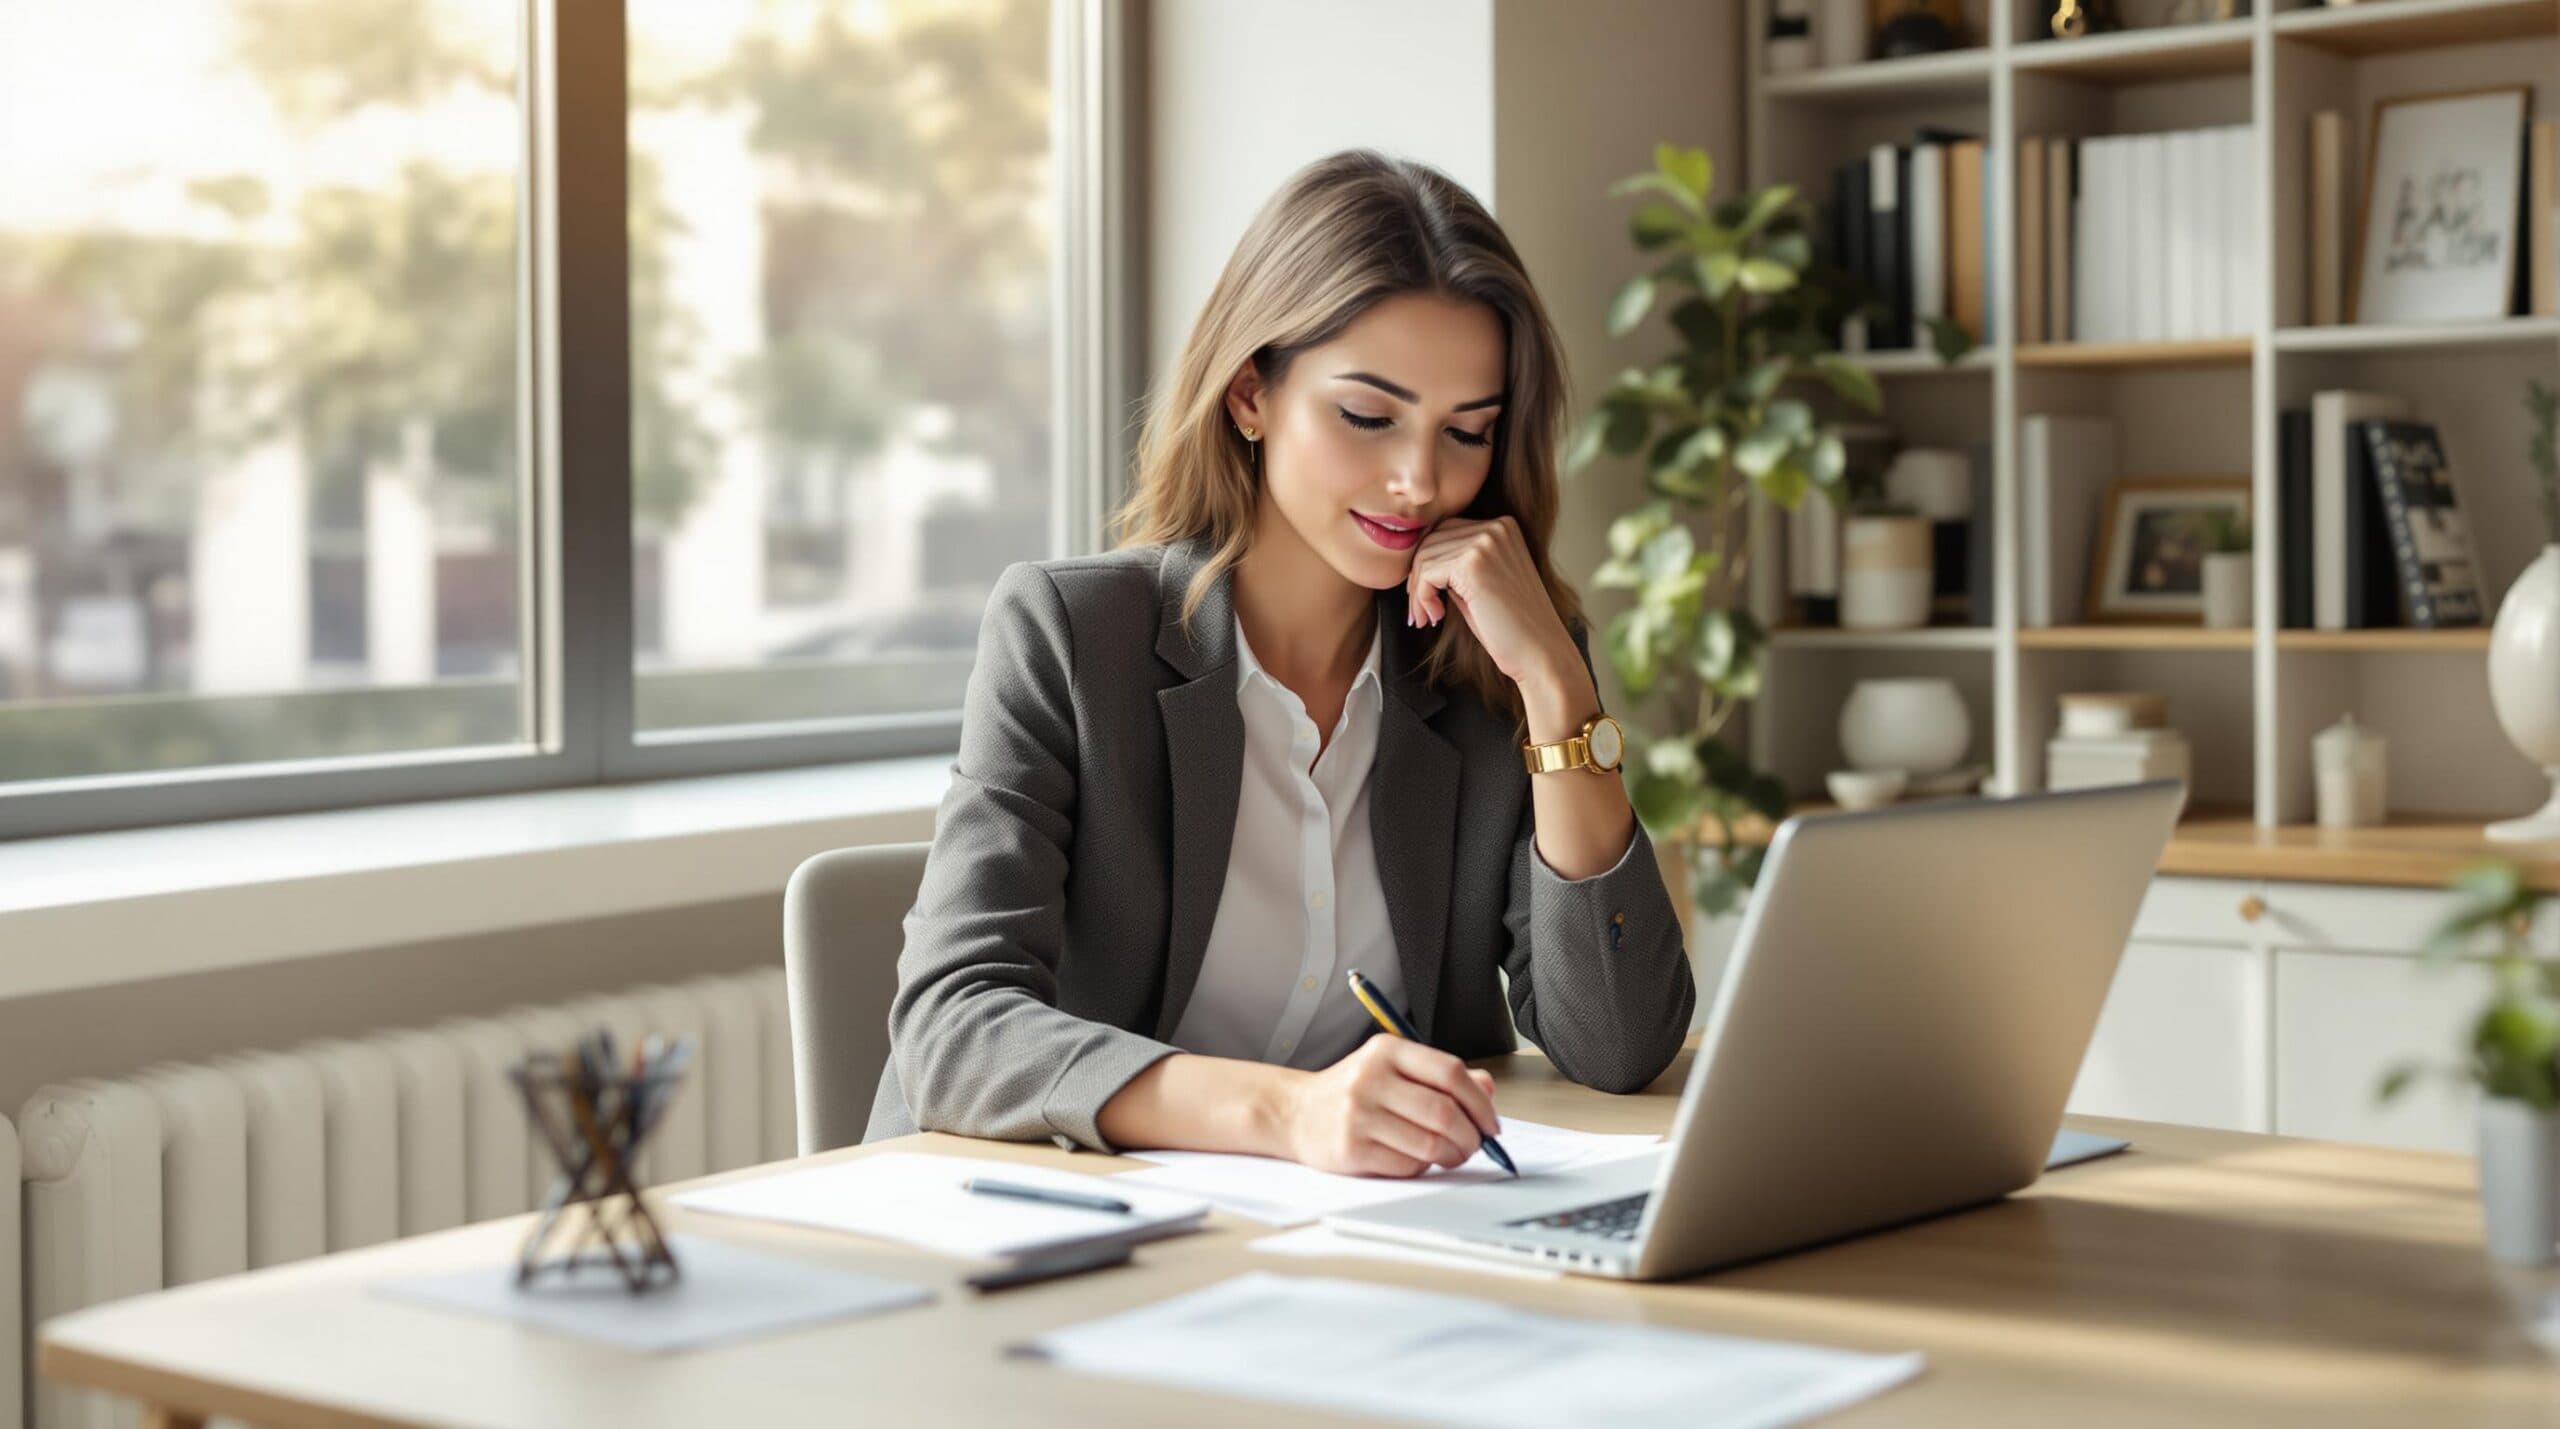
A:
(1865, 788)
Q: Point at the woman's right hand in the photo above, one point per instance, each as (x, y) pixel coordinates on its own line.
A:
(1391, 1108)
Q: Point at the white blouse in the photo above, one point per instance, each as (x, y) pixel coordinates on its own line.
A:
(1302, 901)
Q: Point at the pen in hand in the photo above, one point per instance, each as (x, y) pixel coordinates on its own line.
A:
(1392, 1020)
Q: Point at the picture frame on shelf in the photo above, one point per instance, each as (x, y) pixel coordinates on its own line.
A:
(2437, 240)
(2148, 567)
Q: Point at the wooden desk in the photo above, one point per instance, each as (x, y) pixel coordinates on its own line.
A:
(2207, 1278)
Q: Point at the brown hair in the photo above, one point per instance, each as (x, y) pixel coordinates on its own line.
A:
(1342, 234)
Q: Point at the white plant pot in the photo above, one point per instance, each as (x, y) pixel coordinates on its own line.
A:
(1917, 725)
(2524, 684)
(2519, 1181)
(1885, 572)
(2228, 604)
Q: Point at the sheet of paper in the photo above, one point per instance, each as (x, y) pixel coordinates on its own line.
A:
(2070, 1147)
(725, 1293)
(1324, 1242)
(1448, 1359)
(1285, 1193)
(917, 1199)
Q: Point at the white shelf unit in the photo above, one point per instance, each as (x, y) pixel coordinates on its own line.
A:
(2249, 700)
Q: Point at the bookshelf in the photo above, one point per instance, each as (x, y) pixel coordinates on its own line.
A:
(2248, 700)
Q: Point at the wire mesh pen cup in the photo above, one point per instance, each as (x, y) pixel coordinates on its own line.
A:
(596, 1117)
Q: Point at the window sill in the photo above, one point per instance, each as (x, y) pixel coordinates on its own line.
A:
(90, 910)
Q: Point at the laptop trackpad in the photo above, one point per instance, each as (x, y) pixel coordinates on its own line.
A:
(1462, 1209)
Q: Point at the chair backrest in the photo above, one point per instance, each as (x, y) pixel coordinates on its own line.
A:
(842, 930)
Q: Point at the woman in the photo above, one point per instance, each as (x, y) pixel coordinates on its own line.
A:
(1279, 735)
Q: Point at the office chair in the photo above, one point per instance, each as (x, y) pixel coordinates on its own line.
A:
(842, 918)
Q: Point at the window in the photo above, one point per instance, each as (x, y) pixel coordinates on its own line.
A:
(840, 235)
(300, 491)
(260, 482)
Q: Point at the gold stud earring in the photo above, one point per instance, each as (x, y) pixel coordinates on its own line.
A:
(1251, 434)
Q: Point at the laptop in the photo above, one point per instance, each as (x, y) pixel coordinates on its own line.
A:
(1904, 1012)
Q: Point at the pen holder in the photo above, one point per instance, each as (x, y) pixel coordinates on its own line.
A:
(595, 1114)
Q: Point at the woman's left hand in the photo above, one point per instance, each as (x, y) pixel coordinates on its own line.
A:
(1484, 569)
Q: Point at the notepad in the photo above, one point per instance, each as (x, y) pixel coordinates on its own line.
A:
(917, 1200)
(1351, 1347)
(723, 1294)
(1286, 1193)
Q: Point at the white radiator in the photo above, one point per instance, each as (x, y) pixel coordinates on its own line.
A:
(179, 1173)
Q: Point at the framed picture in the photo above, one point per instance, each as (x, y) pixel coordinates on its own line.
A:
(2152, 545)
(2439, 240)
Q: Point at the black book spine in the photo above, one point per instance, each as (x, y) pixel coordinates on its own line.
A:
(2373, 595)
(1887, 255)
(2294, 503)
(1857, 219)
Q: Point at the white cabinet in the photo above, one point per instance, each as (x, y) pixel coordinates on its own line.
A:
(2343, 1019)
(2182, 1039)
(2279, 1007)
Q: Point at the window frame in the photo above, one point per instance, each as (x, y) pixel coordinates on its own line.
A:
(575, 410)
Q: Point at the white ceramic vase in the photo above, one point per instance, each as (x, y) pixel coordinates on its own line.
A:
(2519, 1181)
(1917, 725)
(1885, 572)
(2227, 601)
(2524, 685)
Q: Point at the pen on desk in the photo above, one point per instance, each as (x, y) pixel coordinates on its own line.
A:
(980, 1185)
(1392, 1020)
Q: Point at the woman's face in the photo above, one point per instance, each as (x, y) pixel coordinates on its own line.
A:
(1371, 439)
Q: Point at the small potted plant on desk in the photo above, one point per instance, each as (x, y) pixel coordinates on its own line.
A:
(2514, 1058)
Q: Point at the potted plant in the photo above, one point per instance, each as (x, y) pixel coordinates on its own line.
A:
(2227, 603)
(2513, 1058)
(1720, 418)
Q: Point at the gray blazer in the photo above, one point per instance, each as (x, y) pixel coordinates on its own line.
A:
(1079, 856)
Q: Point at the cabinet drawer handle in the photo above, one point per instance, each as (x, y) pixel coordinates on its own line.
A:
(2252, 908)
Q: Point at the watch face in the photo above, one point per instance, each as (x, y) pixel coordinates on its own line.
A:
(1607, 743)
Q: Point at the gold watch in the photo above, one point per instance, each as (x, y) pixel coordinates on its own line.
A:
(1598, 748)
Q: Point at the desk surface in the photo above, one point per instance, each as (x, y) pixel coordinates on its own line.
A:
(2205, 1278)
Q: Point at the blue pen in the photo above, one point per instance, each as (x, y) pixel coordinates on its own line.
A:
(1392, 1020)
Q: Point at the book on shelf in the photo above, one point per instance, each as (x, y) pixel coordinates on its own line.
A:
(2145, 237)
(2065, 465)
(2542, 220)
(2031, 232)
(1980, 550)
(2439, 586)
(2293, 514)
(1911, 222)
(2346, 519)
(2329, 194)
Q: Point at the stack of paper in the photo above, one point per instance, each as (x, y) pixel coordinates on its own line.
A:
(1286, 1193)
(1347, 1347)
(918, 1200)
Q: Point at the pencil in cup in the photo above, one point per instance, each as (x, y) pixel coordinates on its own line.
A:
(1392, 1020)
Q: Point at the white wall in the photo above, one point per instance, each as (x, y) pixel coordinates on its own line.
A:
(1241, 93)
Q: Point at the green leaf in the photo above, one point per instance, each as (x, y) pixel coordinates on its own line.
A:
(1704, 445)
(1618, 573)
(1667, 806)
(1674, 759)
(1718, 645)
(1667, 554)
(1629, 533)
(1793, 249)
(1791, 417)
(1699, 323)
(1761, 451)
(1656, 183)
(1656, 224)
(1717, 271)
(1628, 424)
(1784, 484)
(1851, 381)
(2396, 1081)
(1690, 168)
(1761, 382)
(1584, 446)
(1765, 205)
(1764, 275)
(1630, 306)
(1630, 650)
(1948, 338)
(1829, 462)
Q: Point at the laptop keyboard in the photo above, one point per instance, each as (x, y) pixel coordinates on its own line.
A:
(1609, 1220)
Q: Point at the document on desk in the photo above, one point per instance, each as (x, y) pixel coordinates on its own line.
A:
(1357, 1348)
(1285, 1193)
(917, 1199)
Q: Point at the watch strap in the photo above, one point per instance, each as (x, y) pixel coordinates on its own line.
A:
(1571, 752)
